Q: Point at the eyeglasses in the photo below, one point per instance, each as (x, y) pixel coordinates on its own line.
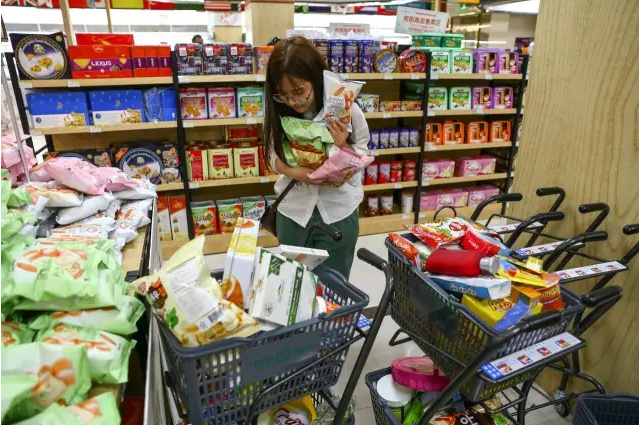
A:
(296, 99)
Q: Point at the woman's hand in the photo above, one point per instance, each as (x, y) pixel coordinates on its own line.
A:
(339, 131)
(301, 174)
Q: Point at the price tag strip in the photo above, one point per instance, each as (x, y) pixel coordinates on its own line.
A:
(594, 270)
(509, 228)
(540, 250)
(512, 363)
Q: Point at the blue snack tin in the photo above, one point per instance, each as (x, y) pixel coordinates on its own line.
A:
(113, 107)
(58, 109)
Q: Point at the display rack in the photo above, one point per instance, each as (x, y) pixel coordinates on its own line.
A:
(75, 138)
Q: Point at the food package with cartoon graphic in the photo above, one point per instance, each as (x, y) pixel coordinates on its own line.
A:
(190, 302)
(100, 410)
(61, 372)
(119, 321)
(108, 354)
(238, 265)
(15, 333)
(204, 216)
(40, 56)
(246, 160)
(58, 196)
(221, 102)
(193, 104)
(58, 109)
(437, 98)
(307, 144)
(157, 163)
(250, 102)
(436, 234)
(228, 212)
(114, 107)
(339, 96)
(97, 157)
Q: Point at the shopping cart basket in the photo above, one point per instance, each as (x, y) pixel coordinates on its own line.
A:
(607, 410)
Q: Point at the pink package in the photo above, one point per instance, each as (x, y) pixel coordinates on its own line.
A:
(432, 200)
(477, 194)
(508, 62)
(17, 169)
(438, 169)
(482, 98)
(221, 102)
(10, 153)
(193, 103)
(502, 98)
(39, 174)
(475, 166)
(331, 170)
(85, 177)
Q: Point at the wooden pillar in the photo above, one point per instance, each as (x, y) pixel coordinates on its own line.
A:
(66, 20)
(108, 14)
(580, 132)
(265, 20)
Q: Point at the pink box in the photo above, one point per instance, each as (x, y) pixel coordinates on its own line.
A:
(502, 98)
(221, 102)
(508, 62)
(433, 200)
(193, 104)
(475, 166)
(438, 169)
(477, 194)
(482, 98)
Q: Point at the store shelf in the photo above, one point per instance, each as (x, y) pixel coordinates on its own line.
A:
(384, 223)
(169, 186)
(452, 180)
(233, 182)
(217, 244)
(222, 122)
(104, 128)
(254, 78)
(453, 113)
(482, 77)
(97, 82)
(132, 252)
(388, 186)
(390, 115)
(468, 146)
(393, 151)
(390, 76)
(428, 216)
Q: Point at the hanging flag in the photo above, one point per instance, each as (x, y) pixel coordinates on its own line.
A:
(159, 4)
(217, 6)
(127, 4)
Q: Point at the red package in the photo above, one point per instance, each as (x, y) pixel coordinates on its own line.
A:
(371, 173)
(106, 39)
(551, 298)
(152, 61)
(383, 175)
(448, 231)
(405, 246)
(138, 57)
(395, 172)
(98, 61)
(474, 240)
(164, 61)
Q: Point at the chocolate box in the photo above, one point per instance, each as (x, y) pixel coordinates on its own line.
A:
(216, 59)
(164, 61)
(99, 61)
(189, 59)
(113, 107)
(58, 109)
(106, 39)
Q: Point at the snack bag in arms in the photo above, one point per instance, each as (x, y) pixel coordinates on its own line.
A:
(190, 302)
(339, 96)
(306, 144)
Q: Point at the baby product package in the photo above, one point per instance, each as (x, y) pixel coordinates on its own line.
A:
(331, 170)
(339, 95)
(190, 302)
(307, 142)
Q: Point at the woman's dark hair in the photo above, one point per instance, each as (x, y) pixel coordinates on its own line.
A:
(293, 57)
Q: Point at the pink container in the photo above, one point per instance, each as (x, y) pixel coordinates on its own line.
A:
(221, 102)
(438, 169)
(482, 98)
(475, 166)
(502, 98)
(435, 199)
(477, 194)
(508, 62)
(418, 373)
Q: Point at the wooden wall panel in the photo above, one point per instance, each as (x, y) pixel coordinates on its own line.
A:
(581, 132)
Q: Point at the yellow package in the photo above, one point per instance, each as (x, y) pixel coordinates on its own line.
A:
(492, 311)
(298, 412)
(519, 272)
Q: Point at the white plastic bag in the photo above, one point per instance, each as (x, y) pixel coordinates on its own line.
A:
(90, 206)
(140, 189)
(58, 195)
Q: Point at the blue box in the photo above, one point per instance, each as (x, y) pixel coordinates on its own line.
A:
(116, 107)
(58, 109)
(159, 104)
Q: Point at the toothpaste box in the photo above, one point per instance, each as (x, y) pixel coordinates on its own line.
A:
(113, 107)
(477, 194)
(177, 213)
(475, 166)
(239, 263)
(100, 61)
(438, 169)
(433, 200)
(164, 218)
(311, 258)
(58, 109)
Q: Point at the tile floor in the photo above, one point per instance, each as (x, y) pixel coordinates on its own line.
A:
(372, 282)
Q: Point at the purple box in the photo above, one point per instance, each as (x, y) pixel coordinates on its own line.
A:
(374, 141)
(508, 62)
(487, 61)
(502, 98)
(482, 98)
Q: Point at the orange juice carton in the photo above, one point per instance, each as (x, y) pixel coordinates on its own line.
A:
(197, 164)
(239, 263)
(453, 132)
(204, 215)
(177, 211)
(459, 98)
(228, 212)
(164, 218)
(250, 102)
(482, 98)
(193, 104)
(434, 133)
(500, 131)
(475, 166)
(220, 159)
(477, 132)
(221, 102)
(246, 160)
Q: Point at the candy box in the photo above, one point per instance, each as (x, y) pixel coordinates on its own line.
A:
(475, 166)
(40, 57)
(437, 98)
(482, 98)
(215, 59)
(413, 60)
(508, 62)
(193, 104)
(152, 62)
(459, 98)
(368, 102)
(58, 109)
(189, 59)
(390, 106)
(204, 216)
(164, 218)
(477, 132)
(240, 57)
(220, 161)
(487, 61)
(477, 194)
(246, 160)
(164, 61)
(438, 169)
(253, 207)
(156, 163)
(197, 165)
(262, 54)
(177, 212)
(411, 105)
(461, 61)
(159, 104)
(228, 211)
(250, 102)
(106, 39)
(386, 61)
(440, 61)
(500, 131)
(115, 107)
(453, 132)
(502, 97)
(434, 133)
(138, 58)
(221, 102)
(99, 61)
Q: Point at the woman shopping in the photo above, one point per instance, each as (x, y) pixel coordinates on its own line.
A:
(294, 88)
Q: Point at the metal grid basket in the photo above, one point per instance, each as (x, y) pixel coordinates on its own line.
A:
(607, 410)
(383, 414)
(218, 383)
(423, 308)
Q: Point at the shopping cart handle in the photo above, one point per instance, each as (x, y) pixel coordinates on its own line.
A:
(370, 258)
(594, 236)
(631, 229)
(569, 243)
(502, 197)
(545, 191)
(541, 320)
(601, 296)
(597, 206)
(332, 232)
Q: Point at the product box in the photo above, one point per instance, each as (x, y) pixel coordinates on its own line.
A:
(488, 311)
(433, 200)
(451, 41)
(368, 102)
(253, 207)
(152, 61)
(106, 39)
(159, 104)
(179, 224)
(246, 160)
(310, 257)
(115, 107)
(250, 102)
(437, 98)
(193, 104)
(477, 194)
(461, 62)
(164, 61)
(164, 218)
(97, 157)
(500, 131)
(189, 59)
(157, 163)
(502, 98)
(508, 62)
(58, 109)
(262, 55)
(40, 56)
(477, 132)
(426, 40)
(459, 98)
(487, 61)
(138, 58)
(197, 165)
(411, 105)
(483, 287)
(434, 133)
(475, 166)
(438, 169)
(220, 161)
(100, 61)
(440, 61)
(204, 216)
(239, 263)
(453, 132)
(390, 106)
(215, 59)
(240, 57)
(221, 102)
(482, 98)
(228, 211)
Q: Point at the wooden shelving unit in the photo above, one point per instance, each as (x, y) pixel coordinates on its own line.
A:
(391, 115)
(222, 121)
(389, 186)
(467, 146)
(394, 151)
(233, 182)
(484, 77)
(169, 186)
(465, 112)
(97, 82)
(453, 180)
(105, 128)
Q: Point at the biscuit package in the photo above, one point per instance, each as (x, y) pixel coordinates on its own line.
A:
(339, 95)
(15, 333)
(250, 102)
(193, 104)
(40, 56)
(190, 302)
(100, 410)
(157, 163)
(221, 102)
(307, 142)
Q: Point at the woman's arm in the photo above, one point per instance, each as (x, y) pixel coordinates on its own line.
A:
(361, 135)
(295, 173)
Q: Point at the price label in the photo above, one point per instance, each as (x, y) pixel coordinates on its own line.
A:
(386, 115)
(94, 129)
(434, 76)
(431, 147)
(405, 216)
(36, 133)
(264, 180)
(480, 111)
(388, 76)
(345, 76)
(398, 186)
(535, 263)
(425, 184)
(374, 153)
(430, 114)
(26, 85)
(73, 83)
(260, 78)
(187, 124)
(251, 121)
(488, 77)
(194, 185)
(415, 77)
(422, 215)
(183, 79)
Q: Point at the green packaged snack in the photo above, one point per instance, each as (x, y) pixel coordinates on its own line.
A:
(14, 333)
(10, 251)
(18, 197)
(62, 375)
(13, 221)
(100, 410)
(108, 353)
(117, 321)
(307, 140)
(6, 191)
(14, 389)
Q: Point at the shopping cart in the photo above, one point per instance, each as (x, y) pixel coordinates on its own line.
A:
(607, 410)
(233, 380)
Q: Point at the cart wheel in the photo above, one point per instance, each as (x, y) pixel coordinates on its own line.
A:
(563, 409)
